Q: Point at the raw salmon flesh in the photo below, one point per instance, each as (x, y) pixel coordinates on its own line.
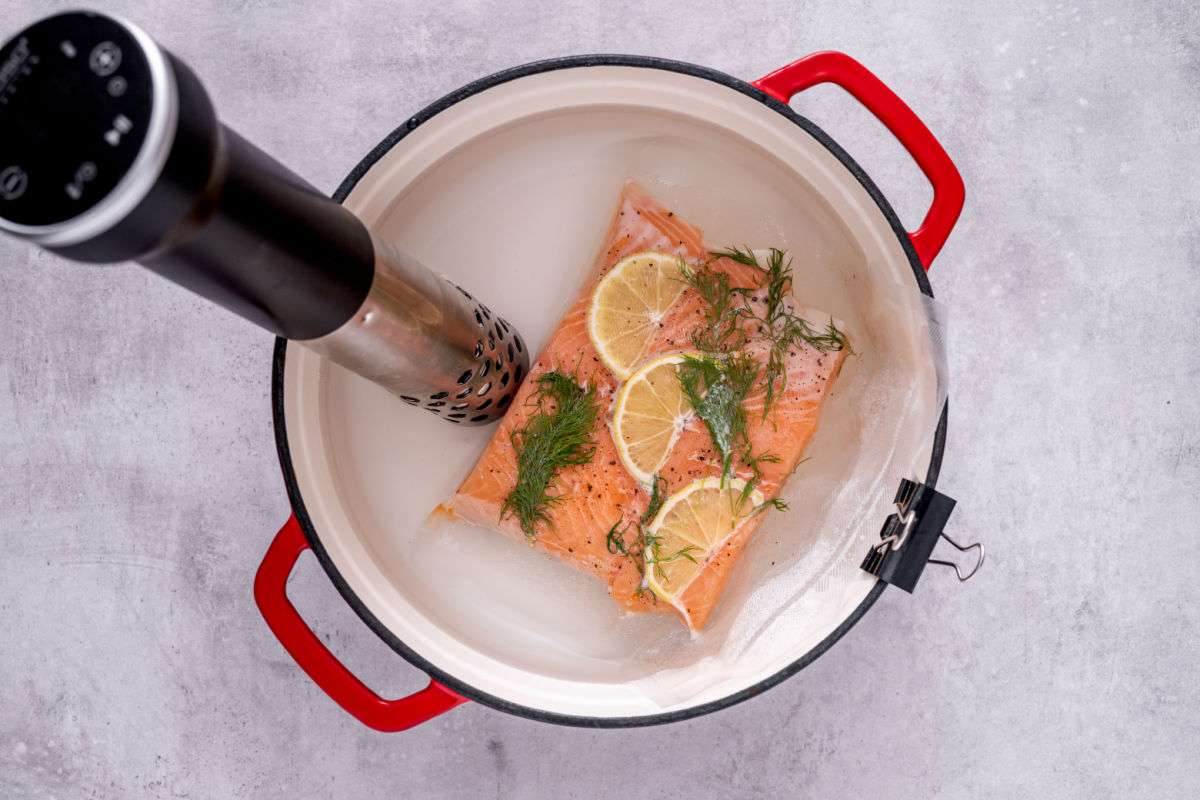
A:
(602, 492)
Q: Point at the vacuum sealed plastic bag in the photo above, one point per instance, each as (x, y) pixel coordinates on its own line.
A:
(662, 418)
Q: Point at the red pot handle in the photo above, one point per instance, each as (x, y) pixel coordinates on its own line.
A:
(839, 68)
(270, 592)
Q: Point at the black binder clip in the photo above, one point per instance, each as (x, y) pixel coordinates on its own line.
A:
(909, 536)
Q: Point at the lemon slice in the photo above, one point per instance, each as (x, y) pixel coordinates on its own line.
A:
(651, 410)
(689, 529)
(627, 305)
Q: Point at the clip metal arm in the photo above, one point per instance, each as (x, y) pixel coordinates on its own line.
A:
(909, 536)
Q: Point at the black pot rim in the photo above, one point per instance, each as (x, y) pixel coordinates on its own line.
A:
(285, 460)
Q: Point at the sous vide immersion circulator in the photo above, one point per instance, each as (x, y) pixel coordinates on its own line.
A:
(110, 151)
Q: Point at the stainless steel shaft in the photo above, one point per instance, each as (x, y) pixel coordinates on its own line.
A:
(430, 342)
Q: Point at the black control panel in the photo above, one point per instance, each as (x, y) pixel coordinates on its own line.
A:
(75, 103)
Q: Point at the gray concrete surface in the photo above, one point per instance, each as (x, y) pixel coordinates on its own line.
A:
(139, 486)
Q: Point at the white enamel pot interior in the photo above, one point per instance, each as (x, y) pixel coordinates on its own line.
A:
(508, 187)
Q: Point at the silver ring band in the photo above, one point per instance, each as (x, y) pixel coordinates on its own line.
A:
(137, 181)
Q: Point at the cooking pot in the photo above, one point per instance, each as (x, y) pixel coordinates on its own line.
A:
(511, 180)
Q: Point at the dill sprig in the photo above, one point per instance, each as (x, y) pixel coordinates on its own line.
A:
(658, 496)
(716, 387)
(724, 331)
(615, 539)
(717, 383)
(556, 435)
(651, 542)
(654, 556)
(756, 475)
(616, 534)
(776, 322)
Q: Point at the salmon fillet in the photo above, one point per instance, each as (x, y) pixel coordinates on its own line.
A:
(602, 492)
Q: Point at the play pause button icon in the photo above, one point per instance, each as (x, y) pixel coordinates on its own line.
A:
(121, 125)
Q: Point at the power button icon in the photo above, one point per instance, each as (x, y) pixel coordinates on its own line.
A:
(13, 181)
